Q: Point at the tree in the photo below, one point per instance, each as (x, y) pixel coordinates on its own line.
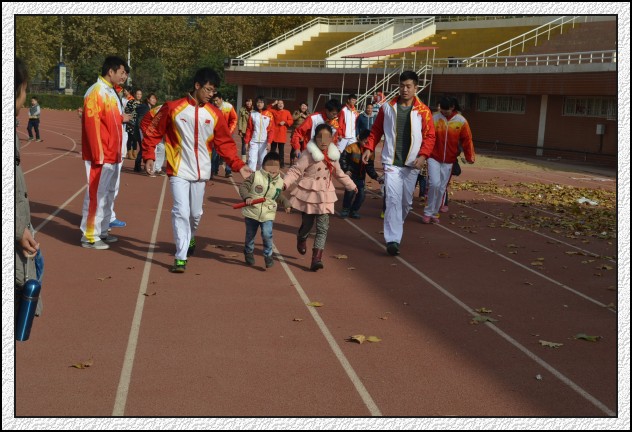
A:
(37, 40)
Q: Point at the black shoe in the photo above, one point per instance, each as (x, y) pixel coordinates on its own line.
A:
(191, 249)
(269, 261)
(392, 248)
(250, 258)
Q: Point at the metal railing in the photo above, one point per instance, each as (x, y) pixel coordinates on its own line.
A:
(530, 60)
(555, 59)
(413, 29)
(359, 38)
(455, 18)
(315, 21)
(506, 47)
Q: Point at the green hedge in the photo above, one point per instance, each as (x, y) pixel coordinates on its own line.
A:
(60, 102)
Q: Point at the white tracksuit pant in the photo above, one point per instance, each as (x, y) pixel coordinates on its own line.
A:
(256, 153)
(399, 183)
(97, 202)
(118, 175)
(186, 212)
(438, 177)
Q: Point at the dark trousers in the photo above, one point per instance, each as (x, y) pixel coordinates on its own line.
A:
(33, 124)
(281, 150)
(354, 204)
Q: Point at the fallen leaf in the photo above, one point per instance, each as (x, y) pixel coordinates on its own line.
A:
(351, 268)
(550, 344)
(511, 245)
(83, 364)
(101, 279)
(357, 338)
(298, 319)
(233, 256)
(540, 259)
(480, 318)
(215, 246)
(483, 310)
(605, 267)
(538, 377)
(373, 339)
(444, 254)
(315, 304)
(129, 268)
(528, 283)
(513, 252)
(536, 263)
(585, 337)
(340, 256)
(152, 294)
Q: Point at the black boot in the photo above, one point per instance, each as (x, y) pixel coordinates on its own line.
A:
(301, 245)
(317, 256)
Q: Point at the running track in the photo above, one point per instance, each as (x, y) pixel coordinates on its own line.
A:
(224, 339)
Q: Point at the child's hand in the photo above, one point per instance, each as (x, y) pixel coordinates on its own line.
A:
(355, 190)
(248, 201)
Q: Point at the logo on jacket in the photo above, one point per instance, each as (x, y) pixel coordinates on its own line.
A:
(259, 189)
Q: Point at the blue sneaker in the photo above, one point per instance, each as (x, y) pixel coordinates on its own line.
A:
(117, 224)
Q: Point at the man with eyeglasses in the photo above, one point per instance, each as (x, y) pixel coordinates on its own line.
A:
(191, 126)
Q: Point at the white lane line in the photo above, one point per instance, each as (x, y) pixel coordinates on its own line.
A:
(344, 362)
(132, 342)
(538, 233)
(567, 381)
(60, 156)
(60, 208)
(543, 276)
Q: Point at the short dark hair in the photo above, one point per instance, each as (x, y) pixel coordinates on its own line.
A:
(333, 104)
(206, 76)
(21, 76)
(271, 157)
(218, 95)
(352, 96)
(257, 99)
(446, 102)
(35, 97)
(364, 134)
(409, 75)
(321, 127)
(114, 63)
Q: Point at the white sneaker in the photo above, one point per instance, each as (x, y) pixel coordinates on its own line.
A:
(99, 244)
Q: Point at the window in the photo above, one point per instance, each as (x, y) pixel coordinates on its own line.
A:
(284, 94)
(590, 107)
(504, 104)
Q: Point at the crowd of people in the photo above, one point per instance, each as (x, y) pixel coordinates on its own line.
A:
(189, 139)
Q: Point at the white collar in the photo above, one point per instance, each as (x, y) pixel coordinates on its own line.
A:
(317, 154)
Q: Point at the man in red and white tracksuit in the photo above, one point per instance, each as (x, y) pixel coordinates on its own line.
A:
(259, 134)
(101, 149)
(409, 137)
(451, 130)
(347, 123)
(305, 132)
(190, 127)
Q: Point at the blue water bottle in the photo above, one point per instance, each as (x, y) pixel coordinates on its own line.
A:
(26, 311)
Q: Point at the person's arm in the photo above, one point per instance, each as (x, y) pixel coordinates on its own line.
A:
(93, 108)
(427, 133)
(249, 127)
(295, 172)
(270, 130)
(288, 119)
(370, 168)
(225, 145)
(344, 178)
(246, 187)
(154, 132)
(342, 125)
(300, 134)
(467, 143)
(374, 137)
(232, 120)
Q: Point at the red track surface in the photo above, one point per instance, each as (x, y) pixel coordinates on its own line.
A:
(221, 339)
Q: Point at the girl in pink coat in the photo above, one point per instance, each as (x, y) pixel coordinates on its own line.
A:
(315, 193)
